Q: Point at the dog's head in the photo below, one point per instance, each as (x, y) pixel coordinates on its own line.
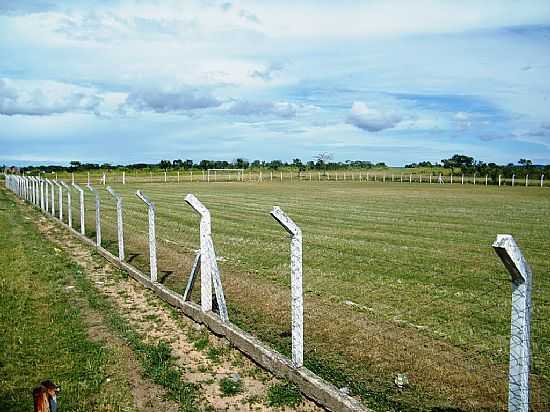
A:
(45, 396)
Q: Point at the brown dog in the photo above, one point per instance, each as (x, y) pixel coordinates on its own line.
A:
(45, 397)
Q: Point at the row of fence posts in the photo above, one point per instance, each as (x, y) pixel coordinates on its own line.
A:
(34, 190)
(451, 179)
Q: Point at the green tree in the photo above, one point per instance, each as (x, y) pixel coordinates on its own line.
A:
(458, 161)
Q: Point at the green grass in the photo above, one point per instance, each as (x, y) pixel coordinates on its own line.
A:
(43, 331)
(428, 295)
(284, 394)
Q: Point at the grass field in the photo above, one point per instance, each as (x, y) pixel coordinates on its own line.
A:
(397, 278)
(45, 328)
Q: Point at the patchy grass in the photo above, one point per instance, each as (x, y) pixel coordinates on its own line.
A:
(398, 278)
(230, 387)
(284, 394)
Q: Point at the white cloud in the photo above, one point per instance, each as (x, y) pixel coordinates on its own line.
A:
(372, 120)
(20, 98)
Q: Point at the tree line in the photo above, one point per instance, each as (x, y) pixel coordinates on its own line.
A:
(458, 164)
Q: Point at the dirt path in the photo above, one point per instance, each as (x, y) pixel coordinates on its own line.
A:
(204, 358)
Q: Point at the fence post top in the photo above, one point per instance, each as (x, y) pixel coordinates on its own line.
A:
(112, 192)
(280, 216)
(509, 252)
(145, 199)
(78, 188)
(62, 183)
(196, 204)
(92, 189)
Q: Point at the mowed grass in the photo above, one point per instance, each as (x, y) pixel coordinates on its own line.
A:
(398, 278)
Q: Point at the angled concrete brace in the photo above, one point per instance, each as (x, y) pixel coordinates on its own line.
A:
(59, 199)
(210, 274)
(69, 206)
(97, 215)
(152, 236)
(192, 276)
(296, 284)
(520, 342)
(119, 223)
(81, 198)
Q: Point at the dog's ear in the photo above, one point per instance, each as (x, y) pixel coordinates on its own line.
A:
(40, 395)
(50, 386)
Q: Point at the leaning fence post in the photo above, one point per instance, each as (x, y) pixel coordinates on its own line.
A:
(81, 197)
(541, 180)
(119, 223)
(210, 274)
(97, 215)
(518, 390)
(69, 206)
(296, 284)
(152, 236)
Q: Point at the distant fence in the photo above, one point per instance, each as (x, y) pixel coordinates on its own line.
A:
(274, 176)
(48, 195)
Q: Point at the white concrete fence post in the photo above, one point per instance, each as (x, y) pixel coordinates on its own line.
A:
(513, 179)
(119, 223)
(69, 206)
(46, 185)
(526, 180)
(123, 177)
(52, 195)
(296, 284)
(151, 211)
(42, 198)
(520, 345)
(97, 215)
(210, 273)
(81, 202)
(59, 199)
(541, 180)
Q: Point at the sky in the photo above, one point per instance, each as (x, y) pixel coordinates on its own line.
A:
(386, 81)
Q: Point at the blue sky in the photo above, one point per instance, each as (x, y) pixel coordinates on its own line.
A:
(392, 81)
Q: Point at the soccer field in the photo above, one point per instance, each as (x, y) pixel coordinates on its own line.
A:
(398, 278)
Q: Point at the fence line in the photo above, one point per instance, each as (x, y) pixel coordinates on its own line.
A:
(292, 177)
(505, 247)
